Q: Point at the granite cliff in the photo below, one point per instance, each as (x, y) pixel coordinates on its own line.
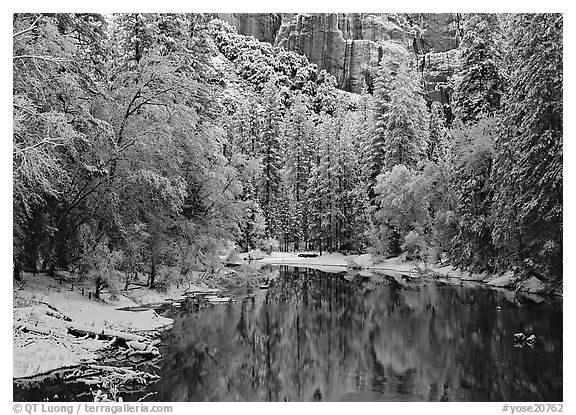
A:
(350, 45)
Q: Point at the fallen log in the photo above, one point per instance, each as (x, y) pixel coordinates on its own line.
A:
(150, 353)
(58, 314)
(81, 330)
(142, 349)
(26, 327)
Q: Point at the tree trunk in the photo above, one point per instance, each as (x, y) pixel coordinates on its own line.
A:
(129, 278)
(48, 261)
(51, 271)
(31, 254)
(152, 276)
(57, 252)
(98, 288)
(17, 270)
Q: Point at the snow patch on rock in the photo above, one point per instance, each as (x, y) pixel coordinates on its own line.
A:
(505, 280)
(532, 285)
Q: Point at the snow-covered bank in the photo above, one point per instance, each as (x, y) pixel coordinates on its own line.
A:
(44, 307)
(340, 261)
(42, 310)
(337, 262)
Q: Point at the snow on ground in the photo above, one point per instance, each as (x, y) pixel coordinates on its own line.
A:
(42, 302)
(35, 355)
(286, 258)
(143, 295)
(338, 262)
(80, 309)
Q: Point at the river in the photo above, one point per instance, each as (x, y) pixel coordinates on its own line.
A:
(322, 336)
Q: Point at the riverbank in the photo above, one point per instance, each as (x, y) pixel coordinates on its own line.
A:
(58, 324)
(45, 308)
(398, 266)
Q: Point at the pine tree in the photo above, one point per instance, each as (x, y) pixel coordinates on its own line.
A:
(247, 126)
(479, 79)
(363, 139)
(404, 127)
(439, 135)
(253, 225)
(473, 163)
(319, 193)
(528, 168)
(381, 108)
(400, 136)
(270, 147)
(284, 223)
(299, 150)
(351, 197)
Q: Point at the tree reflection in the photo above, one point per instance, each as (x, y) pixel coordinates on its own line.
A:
(318, 336)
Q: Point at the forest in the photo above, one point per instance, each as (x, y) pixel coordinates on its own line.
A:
(159, 144)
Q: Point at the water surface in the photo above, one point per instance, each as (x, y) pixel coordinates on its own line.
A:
(329, 337)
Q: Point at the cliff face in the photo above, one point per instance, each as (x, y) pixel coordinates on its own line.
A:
(263, 26)
(434, 32)
(350, 45)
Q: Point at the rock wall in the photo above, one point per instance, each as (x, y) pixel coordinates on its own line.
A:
(263, 26)
(434, 32)
(350, 45)
(437, 68)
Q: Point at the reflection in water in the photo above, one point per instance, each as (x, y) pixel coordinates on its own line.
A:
(317, 336)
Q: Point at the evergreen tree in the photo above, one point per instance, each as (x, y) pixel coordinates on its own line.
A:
(439, 135)
(404, 128)
(299, 150)
(364, 135)
(381, 108)
(253, 225)
(320, 191)
(528, 168)
(284, 224)
(351, 197)
(474, 157)
(270, 147)
(479, 79)
(247, 126)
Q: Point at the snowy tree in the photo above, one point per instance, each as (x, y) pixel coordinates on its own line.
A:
(400, 135)
(285, 216)
(479, 79)
(405, 135)
(528, 167)
(381, 108)
(253, 225)
(319, 185)
(270, 141)
(299, 151)
(474, 157)
(247, 126)
(439, 135)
